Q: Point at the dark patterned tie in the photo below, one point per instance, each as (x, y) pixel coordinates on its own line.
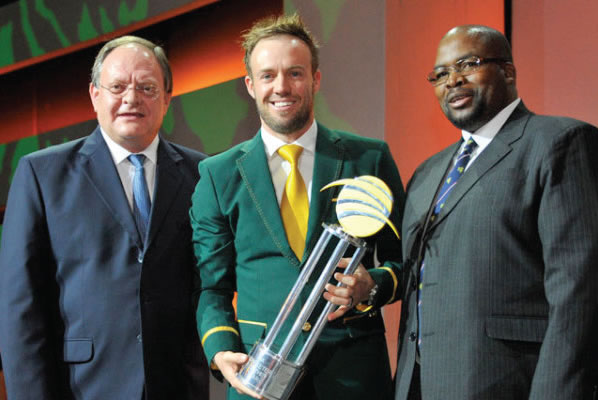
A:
(141, 199)
(451, 180)
(454, 174)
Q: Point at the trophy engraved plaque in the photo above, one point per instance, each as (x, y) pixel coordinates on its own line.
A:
(362, 208)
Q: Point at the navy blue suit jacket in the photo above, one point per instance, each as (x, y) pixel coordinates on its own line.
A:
(87, 313)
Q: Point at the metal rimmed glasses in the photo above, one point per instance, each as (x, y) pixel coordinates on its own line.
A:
(464, 66)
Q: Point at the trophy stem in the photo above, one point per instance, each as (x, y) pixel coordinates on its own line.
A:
(289, 303)
(323, 318)
(270, 373)
(313, 298)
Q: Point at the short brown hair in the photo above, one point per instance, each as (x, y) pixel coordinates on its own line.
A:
(280, 25)
(124, 40)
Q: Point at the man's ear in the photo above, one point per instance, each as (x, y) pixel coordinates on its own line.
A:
(510, 72)
(249, 85)
(167, 98)
(93, 94)
(317, 79)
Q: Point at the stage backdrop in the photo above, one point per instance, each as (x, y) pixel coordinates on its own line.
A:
(554, 46)
(375, 55)
(47, 102)
(35, 31)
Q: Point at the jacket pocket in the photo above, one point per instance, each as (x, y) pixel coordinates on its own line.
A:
(78, 350)
(525, 329)
(251, 331)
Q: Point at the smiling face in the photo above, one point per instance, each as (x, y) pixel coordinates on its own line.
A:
(283, 85)
(132, 120)
(471, 101)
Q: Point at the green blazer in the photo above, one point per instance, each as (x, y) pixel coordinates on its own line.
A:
(241, 246)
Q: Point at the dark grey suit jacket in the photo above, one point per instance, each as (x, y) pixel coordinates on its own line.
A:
(86, 311)
(510, 293)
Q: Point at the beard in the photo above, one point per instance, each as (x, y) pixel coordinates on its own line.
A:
(469, 121)
(287, 126)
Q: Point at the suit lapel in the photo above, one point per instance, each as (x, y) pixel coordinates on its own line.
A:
(328, 165)
(254, 170)
(498, 148)
(97, 165)
(435, 170)
(168, 181)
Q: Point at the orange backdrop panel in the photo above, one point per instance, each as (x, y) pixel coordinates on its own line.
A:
(17, 112)
(210, 52)
(415, 125)
(554, 47)
(61, 97)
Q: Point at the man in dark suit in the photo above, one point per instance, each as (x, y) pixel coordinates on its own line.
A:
(96, 266)
(501, 239)
(243, 241)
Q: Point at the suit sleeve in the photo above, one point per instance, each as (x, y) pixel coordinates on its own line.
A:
(388, 276)
(213, 243)
(27, 292)
(568, 228)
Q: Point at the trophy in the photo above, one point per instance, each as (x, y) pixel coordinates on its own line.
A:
(362, 208)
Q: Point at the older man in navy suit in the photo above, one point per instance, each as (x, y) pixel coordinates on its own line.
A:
(97, 277)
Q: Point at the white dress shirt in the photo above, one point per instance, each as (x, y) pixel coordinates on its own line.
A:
(126, 170)
(484, 135)
(280, 168)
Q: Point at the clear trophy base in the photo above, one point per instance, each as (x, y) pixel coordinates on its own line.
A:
(268, 374)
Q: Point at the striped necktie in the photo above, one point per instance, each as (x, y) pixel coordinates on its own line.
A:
(449, 183)
(294, 207)
(454, 174)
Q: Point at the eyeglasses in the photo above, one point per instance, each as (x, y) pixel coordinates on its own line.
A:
(119, 90)
(465, 66)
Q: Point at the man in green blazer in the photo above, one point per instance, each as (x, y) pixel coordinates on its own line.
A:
(240, 239)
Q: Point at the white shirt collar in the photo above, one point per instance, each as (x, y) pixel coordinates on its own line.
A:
(484, 135)
(119, 153)
(307, 140)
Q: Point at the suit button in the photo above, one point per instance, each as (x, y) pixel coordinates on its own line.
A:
(412, 336)
(306, 327)
(139, 338)
(140, 257)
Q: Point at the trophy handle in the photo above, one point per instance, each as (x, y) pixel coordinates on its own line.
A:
(314, 296)
(328, 308)
(291, 299)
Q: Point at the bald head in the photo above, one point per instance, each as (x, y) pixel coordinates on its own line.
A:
(492, 40)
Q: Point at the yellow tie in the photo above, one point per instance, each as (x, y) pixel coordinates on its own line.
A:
(294, 207)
